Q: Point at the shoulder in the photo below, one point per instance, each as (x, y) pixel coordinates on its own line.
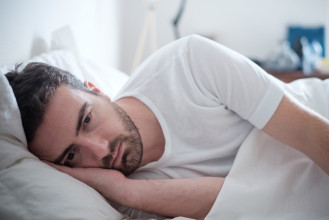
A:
(166, 56)
(180, 47)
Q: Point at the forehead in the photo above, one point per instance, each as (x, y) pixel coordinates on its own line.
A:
(59, 122)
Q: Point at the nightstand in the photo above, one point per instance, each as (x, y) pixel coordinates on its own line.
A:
(289, 76)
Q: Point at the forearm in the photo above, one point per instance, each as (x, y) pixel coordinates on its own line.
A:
(176, 197)
(167, 197)
(302, 129)
(319, 136)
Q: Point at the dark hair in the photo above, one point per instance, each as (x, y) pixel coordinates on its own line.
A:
(34, 86)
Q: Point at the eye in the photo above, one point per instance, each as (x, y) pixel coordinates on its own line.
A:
(69, 159)
(87, 120)
(70, 156)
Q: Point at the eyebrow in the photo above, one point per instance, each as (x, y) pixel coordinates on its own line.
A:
(77, 130)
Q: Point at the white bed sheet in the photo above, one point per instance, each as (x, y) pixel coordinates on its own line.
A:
(270, 180)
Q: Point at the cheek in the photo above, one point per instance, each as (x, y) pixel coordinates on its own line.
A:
(37, 146)
(34, 150)
(108, 124)
(41, 152)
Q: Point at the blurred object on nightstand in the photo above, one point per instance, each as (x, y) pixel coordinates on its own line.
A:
(282, 59)
(311, 55)
(309, 44)
(322, 66)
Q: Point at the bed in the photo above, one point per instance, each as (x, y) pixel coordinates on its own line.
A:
(29, 189)
(262, 183)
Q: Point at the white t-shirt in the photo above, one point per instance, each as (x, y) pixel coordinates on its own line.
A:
(207, 98)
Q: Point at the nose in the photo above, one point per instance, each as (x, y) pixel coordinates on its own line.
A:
(96, 147)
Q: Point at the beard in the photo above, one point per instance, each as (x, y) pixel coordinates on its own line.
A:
(133, 153)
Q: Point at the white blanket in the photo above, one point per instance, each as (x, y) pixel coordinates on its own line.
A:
(270, 180)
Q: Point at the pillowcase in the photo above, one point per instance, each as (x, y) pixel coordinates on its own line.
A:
(106, 78)
(30, 189)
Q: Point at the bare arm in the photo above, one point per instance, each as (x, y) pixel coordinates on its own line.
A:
(302, 129)
(191, 198)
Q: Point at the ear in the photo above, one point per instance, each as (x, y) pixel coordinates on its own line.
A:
(93, 88)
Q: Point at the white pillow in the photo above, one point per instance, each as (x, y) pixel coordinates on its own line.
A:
(106, 78)
(30, 189)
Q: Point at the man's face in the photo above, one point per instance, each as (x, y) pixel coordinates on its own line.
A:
(80, 129)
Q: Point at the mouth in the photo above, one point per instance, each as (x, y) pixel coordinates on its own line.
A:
(116, 161)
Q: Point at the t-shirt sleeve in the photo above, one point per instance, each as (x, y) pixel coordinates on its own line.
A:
(237, 82)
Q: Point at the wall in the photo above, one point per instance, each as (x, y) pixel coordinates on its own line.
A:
(253, 27)
(109, 30)
(26, 28)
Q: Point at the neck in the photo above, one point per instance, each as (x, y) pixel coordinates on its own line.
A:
(148, 127)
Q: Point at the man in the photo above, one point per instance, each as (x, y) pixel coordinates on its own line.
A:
(182, 116)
